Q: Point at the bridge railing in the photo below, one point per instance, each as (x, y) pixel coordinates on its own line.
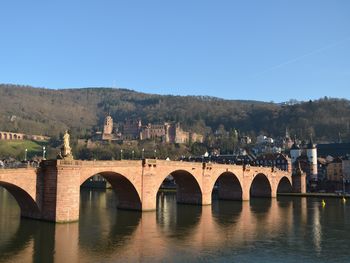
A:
(16, 165)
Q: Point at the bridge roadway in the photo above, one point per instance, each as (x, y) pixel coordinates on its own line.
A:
(52, 191)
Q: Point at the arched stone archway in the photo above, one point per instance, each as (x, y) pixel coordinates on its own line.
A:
(127, 195)
(284, 186)
(28, 206)
(260, 186)
(188, 190)
(229, 187)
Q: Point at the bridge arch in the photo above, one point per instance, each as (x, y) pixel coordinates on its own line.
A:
(188, 190)
(229, 186)
(127, 195)
(260, 186)
(284, 185)
(29, 208)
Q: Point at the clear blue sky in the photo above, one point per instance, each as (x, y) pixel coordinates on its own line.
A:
(261, 50)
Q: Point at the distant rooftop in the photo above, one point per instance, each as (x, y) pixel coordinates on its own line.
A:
(333, 149)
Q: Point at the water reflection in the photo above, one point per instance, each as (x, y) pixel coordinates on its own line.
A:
(103, 229)
(261, 230)
(176, 221)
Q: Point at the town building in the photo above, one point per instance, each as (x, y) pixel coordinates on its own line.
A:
(335, 170)
(338, 174)
(333, 149)
(278, 160)
(346, 169)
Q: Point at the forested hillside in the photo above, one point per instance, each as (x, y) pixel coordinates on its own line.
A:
(49, 112)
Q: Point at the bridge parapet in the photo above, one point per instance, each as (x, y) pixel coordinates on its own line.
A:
(172, 163)
(114, 163)
(17, 170)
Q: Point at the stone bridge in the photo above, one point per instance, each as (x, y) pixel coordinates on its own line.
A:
(52, 192)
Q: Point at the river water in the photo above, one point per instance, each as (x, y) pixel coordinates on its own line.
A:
(262, 230)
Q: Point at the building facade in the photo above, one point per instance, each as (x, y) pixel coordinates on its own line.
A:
(335, 170)
(278, 160)
(131, 129)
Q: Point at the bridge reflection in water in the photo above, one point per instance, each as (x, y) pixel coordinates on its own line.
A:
(263, 230)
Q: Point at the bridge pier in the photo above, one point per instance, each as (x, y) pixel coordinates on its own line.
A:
(206, 198)
(61, 192)
(245, 196)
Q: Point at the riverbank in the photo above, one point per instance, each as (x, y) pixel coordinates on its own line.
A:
(320, 195)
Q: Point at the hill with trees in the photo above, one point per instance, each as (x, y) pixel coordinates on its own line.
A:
(49, 112)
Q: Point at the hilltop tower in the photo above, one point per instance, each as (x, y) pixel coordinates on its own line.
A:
(108, 125)
(108, 128)
(311, 153)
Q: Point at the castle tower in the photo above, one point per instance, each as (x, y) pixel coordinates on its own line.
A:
(311, 153)
(108, 125)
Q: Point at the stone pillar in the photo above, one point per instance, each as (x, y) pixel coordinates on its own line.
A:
(68, 194)
(245, 195)
(246, 183)
(299, 183)
(273, 184)
(206, 198)
(149, 185)
(149, 202)
(298, 180)
(273, 192)
(206, 186)
(61, 191)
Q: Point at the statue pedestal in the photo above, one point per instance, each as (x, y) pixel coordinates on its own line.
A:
(68, 158)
